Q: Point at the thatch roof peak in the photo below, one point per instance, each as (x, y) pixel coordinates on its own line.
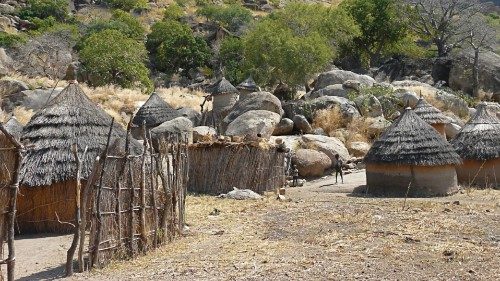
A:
(223, 86)
(154, 112)
(249, 84)
(411, 141)
(479, 139)
(71, 117)
(429, 113)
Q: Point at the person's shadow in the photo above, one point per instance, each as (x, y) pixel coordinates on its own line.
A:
(48, 274)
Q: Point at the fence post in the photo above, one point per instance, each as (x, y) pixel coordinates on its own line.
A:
(153, 194)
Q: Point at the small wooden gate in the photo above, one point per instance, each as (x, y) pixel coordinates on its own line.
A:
(10, 161)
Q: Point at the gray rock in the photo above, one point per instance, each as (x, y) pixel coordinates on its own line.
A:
(336, 90)
(254, 101)
(7, 9)
(376, 126)
(37, 99)
(180, 125)
(284, 127)
(242, 194)
(319, 131)
(310, 162)
(369, 106)
(9, 86)
(352, 84)
(406, 97)
(359, 148)
(472, 111)
(460, 77)
(190, 114)
(253, 123)
(328, 145)
(202, 133)
(339, 77)
(451, 130)
(301, 124)
(453, 103)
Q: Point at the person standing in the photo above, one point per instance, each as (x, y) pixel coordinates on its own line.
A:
(338, 168)
(295, 174)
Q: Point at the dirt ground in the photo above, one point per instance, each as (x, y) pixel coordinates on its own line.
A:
(322, 232)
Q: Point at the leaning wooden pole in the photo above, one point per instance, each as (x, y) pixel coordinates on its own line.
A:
(78, 217)
(97, 240)
(14, 187)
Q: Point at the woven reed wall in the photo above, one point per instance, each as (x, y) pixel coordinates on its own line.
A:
(216, 168)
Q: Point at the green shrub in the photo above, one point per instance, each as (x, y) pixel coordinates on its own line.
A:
(121, 21)
(231, 17)
(109, 56)
(173, 47)
(10, 40)
(173, 12)
(127, 5)
(231, 57)
(42, 9)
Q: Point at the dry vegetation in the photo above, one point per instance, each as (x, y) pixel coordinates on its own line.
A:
(320, 235)
(118, 102)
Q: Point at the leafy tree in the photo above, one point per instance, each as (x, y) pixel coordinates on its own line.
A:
(121, 21)
(42, 9)
(231, 54)
(381, 24)
(173, 12)
(173, 46)
(126, 5)
(109, 56)
(231, 17)
(276, 54)
(443, 22)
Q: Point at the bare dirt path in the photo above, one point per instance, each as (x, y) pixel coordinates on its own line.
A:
(322, 232)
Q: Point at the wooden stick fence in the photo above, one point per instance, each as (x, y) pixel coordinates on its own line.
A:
(11, 195)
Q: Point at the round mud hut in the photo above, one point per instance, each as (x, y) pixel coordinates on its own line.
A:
(152, 113)
(48, 171)
(224, 96)
(432, 116)
(478, 144)
(411, 158)
(247, 87)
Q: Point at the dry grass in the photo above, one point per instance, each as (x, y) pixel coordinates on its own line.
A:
(328, 119)
(116, 101)
(320, 235)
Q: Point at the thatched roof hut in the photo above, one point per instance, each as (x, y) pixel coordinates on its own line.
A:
(432, 116)
(478, 144)
(48, 170)
(410, 153)
(224, 95)
(153, 112)
(247, 87)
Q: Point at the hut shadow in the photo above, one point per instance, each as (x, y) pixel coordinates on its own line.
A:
(48, 274)
(361, 191)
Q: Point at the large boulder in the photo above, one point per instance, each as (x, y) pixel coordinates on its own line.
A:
(311, 163)
(284, 127)
(406, 97)
(253, 123)
(10, 86)
(376, 126)
(203, 133)
(181, 125)
(310, 107)
(301, 124)
(489, 72)
(339, 77)
(242, 194)
(190, 114)
(6, 9)
(335, 90)
(328, 145)
(254, 101)
(453, 103)
(359, 148)
(369, 106)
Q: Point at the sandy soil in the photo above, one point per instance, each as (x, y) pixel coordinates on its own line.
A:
(322, 232)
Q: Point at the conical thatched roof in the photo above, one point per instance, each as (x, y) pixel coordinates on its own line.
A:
(222, 87)
(14, 127)
(249, 84)
(68, 118)
(429, 113)
(411, 141)
(479, 139)
(154, 112)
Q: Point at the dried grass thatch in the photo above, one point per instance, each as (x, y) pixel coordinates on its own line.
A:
(411, 141)
(154, 112)
(479, 139)
(248, 85)
(222, 87)
(216, 168)
(69, 118)
(429, 113)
